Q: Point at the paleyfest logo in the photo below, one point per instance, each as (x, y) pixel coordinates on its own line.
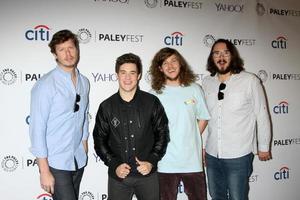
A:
(9, 163)
(8, 76)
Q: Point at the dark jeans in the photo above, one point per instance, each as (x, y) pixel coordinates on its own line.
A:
(67, 184)
(194, 185)
(145, 188)
(228, 179)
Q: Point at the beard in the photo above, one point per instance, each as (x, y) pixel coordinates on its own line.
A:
(224, 70)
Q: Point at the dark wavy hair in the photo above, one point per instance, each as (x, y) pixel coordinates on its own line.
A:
(158, 79)
(61, 37)
(236, 64)
(129, 58)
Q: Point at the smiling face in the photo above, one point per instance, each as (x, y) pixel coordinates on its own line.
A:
(171, 69)
(128, 77)
(222, 58)
(66, 54)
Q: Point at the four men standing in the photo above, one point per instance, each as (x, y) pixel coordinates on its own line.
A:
(131, 133)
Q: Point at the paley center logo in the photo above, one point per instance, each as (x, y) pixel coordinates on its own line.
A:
(279, 43)
(86, 195)
(113, 1)
(282, 174)
(264, 76)
(9, 163)
(44, 196)
(175, 39)
(38, 33)
(286, 142)
(84, 35)
(113, 37)
(262, 9)
(233, 8)
(209, 40)
(174, 4)
(8, 76)
(281, 108)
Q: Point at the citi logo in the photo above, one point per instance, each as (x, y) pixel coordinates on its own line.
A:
(44, 196)
(40, 32)
(281, 108)
(279, 43)
(284, 173)
(175, 39)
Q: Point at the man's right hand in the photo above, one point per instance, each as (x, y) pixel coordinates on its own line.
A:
(47, 181)
(46, 177)
(123, 170)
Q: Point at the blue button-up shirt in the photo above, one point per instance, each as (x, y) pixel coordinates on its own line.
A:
(56, 131)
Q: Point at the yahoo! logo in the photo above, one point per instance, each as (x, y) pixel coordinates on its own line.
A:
(284, 173)
(279, 43)
(175, 39)
(281, 108)
(40, 32)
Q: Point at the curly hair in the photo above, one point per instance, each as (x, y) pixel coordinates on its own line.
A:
(236, 63)
(158, 79)
(61, 37)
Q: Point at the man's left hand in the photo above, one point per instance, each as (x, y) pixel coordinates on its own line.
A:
(144, 167)
(264, 156)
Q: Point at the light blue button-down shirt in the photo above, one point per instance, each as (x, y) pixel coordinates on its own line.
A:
(56, 131)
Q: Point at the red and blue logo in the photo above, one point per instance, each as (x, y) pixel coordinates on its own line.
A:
(175, 39)
(38, 33)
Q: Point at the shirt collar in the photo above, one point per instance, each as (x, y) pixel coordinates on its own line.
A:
(66, 74)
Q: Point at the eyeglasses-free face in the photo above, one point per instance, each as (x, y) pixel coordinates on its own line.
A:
(220, 93)
(76, 105)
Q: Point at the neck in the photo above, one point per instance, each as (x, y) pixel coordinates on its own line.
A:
(127, 95)
(172, 82)
(224, 77)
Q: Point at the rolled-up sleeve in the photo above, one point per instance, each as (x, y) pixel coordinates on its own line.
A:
(39, 112)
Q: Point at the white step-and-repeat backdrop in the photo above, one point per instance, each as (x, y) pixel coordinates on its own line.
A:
(266, 32)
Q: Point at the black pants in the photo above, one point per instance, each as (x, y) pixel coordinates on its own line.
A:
(67, 184)
(145, 188)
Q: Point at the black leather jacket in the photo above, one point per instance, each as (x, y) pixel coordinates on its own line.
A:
(138, 128)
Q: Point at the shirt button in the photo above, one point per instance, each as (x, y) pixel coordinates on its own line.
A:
(130, 122)
(125, 138)
(125, 151)
(132, 135)
(133, 149)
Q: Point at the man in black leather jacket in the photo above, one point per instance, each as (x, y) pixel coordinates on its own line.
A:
(131, 135)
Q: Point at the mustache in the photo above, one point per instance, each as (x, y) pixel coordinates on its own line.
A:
(222, 60)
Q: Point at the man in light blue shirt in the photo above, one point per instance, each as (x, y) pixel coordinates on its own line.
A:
(174, 84)
(59, 120)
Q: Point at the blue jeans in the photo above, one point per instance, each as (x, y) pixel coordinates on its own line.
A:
(67, 184)
(144, 187)
(228, 179)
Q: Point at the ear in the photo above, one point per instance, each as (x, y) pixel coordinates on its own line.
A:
(160, 68)
(139, 76)
(55, 56)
